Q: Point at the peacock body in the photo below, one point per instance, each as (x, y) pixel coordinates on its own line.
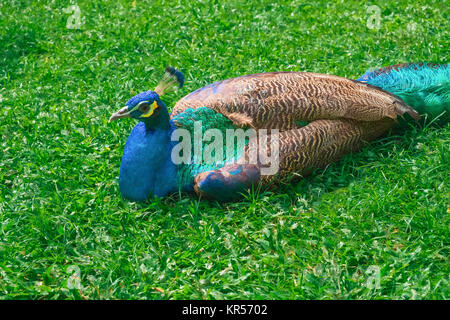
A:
(341, 115)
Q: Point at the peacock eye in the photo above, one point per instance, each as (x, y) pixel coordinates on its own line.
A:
(144, 107)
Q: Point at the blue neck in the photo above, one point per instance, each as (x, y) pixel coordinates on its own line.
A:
(146, 166)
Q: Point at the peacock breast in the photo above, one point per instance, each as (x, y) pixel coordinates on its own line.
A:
(146, 168)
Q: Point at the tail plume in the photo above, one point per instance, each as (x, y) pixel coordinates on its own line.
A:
(423, 86)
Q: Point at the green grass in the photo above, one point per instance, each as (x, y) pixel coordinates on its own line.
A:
(384, 209)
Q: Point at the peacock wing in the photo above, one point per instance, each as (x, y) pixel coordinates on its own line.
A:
(282, 99)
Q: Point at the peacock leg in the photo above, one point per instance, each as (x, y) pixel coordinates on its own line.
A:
(300, 150)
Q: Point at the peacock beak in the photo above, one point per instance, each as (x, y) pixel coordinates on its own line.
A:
(122, 113)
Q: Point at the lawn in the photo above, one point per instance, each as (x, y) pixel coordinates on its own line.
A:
(371, 226)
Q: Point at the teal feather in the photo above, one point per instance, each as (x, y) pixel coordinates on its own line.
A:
(425, 87)
(210, 120)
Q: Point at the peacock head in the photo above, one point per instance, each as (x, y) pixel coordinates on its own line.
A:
(148, 107)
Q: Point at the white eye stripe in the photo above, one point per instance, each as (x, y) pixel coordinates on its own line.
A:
(136, 107)
(142, 102)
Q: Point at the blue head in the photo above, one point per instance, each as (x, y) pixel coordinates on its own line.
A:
(148, 107)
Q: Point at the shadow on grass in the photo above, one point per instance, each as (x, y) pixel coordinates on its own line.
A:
(316, 184)
(19, 41)
(404, 137)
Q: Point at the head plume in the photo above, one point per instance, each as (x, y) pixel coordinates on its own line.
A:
(171, 81)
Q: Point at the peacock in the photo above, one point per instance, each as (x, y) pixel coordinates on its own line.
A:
(285, 123)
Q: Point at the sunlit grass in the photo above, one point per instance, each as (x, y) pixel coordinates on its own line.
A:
(374, 225)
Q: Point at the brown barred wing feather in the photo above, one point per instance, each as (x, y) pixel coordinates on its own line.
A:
(301, 150)
(281, 99)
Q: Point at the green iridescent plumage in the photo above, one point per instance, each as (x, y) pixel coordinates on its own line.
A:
(425, 87)
(207, 119)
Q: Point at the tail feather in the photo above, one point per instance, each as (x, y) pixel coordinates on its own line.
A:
(423, 86)
(401, 109)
